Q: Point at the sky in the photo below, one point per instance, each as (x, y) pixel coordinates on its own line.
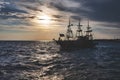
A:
(45, 19)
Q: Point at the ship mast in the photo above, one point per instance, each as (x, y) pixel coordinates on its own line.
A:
(69, 33)
(89, 32)
(79, 30)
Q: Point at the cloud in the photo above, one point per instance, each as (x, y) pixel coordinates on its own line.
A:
(57, 16)
(10, 8)
(22, 14)
(8, 16)
(110, 25)
(104, 10)
(34, 8)
(96, 10)
(14, 22)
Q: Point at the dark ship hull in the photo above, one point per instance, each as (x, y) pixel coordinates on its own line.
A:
(79, 41)
(75, 44)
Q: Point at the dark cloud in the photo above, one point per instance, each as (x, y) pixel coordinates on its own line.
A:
(34, 8)
(116, 25)
(13, 22)
(16, 8)
(16, 17)
(62, 7)
(57, 16)
(58, 6)
(9, 8)
(8, 16)
(20, 0)
(76, 17)
(103, 10)
(107, 10)
(10, 11)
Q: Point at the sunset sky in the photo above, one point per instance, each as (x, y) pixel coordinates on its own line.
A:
(45, 19)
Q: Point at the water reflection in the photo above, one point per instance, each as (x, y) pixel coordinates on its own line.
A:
(44, 61)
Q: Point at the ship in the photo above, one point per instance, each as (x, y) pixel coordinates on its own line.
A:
(69, 41)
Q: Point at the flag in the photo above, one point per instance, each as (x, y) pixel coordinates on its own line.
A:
(61, 35)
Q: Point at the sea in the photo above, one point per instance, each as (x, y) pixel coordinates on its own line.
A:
(39, 60)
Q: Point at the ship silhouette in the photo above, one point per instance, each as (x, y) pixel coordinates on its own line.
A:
(69, 42)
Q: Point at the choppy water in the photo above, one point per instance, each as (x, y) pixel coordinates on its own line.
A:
(43, 61)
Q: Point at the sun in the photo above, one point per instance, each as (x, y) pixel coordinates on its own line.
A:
(44, 19)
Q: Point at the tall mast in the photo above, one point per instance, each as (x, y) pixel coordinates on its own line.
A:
(79, 30)
(69, 33)
(89, 32)
(69, 21)
(88, 23)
